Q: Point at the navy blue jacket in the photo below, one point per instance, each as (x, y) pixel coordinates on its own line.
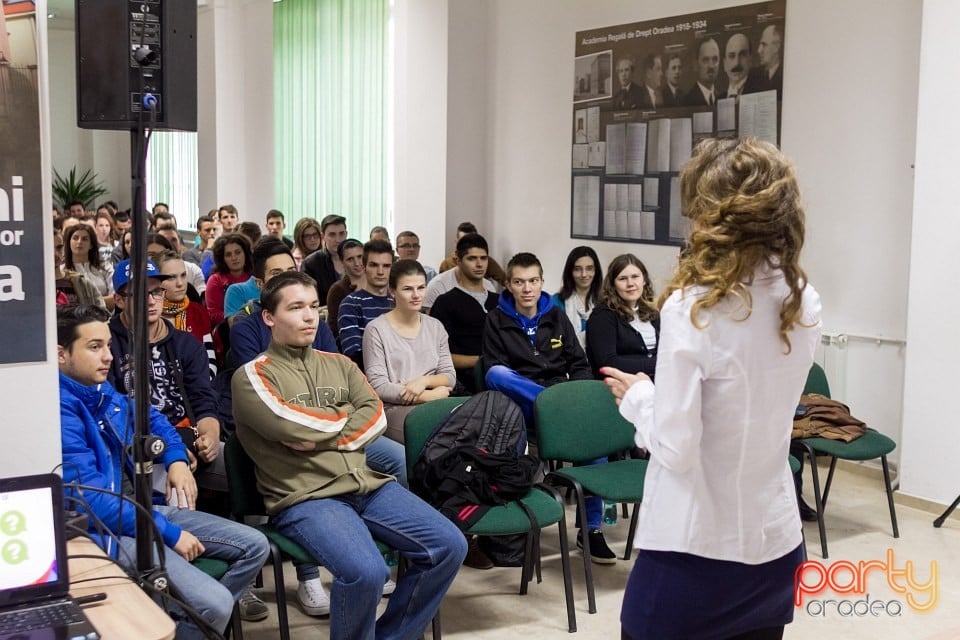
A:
(544, 348)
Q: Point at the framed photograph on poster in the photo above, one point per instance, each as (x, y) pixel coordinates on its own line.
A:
(645, 93)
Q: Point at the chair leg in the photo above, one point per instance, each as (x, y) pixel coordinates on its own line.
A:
(235, 628)
(528, 561)
(946, 514)
(632, 531)
(818, 500)
(281, 592)
(886, 482)
(435, 625)
(587, 557)
(826, 487)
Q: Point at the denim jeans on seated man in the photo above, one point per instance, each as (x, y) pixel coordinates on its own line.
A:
(434, 547)
(242, 547)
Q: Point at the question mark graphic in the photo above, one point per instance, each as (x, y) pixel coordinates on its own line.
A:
(12, 523)
(14, 552)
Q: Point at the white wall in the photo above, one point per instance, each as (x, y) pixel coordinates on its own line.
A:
(847, 124)
(420, 123)
(930, 443)
(235, 107)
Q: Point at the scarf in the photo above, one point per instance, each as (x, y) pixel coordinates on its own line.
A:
(177, 311)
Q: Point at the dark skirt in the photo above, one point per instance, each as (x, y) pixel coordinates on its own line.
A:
(678, 596)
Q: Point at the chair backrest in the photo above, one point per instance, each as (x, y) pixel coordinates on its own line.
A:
(579, 421)
(420, 423)
(245, 498)
(817, 381)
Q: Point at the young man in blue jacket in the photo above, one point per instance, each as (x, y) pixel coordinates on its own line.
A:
(96, 428)
(529, 344)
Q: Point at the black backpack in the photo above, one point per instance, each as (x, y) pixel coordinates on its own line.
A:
(473, 459)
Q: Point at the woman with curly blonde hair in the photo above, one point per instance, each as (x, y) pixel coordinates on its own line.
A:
(739, 326)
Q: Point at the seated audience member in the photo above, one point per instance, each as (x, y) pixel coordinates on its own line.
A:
(185, 314)
(308, 444)
(494, 270)
(228, 217)
(99, 456)
(408, 248)
(452, 278)
(168, 230)
(379, 233)
(240, 294)
(74, 286)
(276, 225)
(249, 337)
(624, 329)
(324, 265)
(251, 230)
(366, 304)
(350, 253)
(206, 235)
(463, 309)
(405, 353)
(529, 344)
(307, 238)
(179, 368)
(82, 256)
(234, 264)
(580, 289)
(106, 233)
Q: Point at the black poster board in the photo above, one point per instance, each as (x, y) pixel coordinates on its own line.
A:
(645, 93)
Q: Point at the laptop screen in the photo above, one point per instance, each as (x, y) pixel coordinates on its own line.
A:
(32, 548)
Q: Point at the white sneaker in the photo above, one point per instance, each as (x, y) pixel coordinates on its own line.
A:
(389, 587)
(313, 599)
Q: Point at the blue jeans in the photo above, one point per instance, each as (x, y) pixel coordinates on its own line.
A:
(383, 455)
(339, 532)
(245, 549)
(524, 392)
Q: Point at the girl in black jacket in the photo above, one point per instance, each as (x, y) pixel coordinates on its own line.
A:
(623, 331)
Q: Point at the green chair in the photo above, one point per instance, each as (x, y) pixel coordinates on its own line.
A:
(542, 501)
(578, 421)
(869, 446)
(245, 500)
(216, 568)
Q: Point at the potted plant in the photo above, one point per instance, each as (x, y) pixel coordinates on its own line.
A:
(70, 188)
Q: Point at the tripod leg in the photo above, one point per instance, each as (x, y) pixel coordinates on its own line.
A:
(946, 514)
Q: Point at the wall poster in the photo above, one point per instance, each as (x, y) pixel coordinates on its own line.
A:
(645, 93)
(22, 290)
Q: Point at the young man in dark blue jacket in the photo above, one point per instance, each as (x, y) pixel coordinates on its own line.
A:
(96, 428)
(529, 344)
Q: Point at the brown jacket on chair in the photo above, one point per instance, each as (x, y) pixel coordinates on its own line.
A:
(825, 418)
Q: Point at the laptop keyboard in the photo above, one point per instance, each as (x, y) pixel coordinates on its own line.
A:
(60, 614)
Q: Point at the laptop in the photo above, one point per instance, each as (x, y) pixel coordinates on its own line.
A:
(34, 587)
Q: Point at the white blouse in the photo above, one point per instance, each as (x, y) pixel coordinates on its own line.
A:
(718, 425)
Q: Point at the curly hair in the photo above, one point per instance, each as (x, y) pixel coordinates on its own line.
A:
(743, 202)
(646, 308)
(220, 248)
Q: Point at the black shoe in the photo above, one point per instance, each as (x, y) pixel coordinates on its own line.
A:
(807, 513)
(476, 558)
(600, 553)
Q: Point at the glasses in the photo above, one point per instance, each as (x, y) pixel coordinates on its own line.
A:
(153, 294)
(408, 245)
(311, 236)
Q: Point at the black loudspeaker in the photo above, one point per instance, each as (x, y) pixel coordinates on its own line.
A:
(119, 39)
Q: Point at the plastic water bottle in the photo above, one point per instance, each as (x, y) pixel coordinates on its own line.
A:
(609, 512)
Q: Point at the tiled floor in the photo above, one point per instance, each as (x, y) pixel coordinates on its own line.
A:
(484, 605)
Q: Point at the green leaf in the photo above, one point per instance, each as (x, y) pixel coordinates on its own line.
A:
(86, 189)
